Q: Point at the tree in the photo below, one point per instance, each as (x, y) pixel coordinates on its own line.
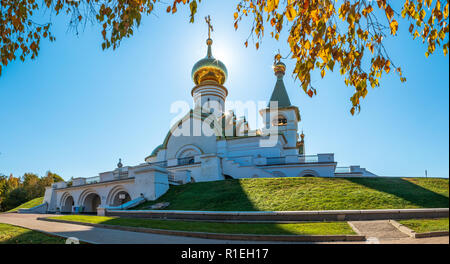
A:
(15, 198)
(31, 186)
(323, 34)
(14, 192)
(47, 181)
(3, 189)
(13, 182)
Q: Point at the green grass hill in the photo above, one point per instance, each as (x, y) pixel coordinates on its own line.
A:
(290, 194)
(29, 204)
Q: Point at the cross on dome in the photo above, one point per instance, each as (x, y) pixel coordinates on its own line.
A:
(209, 68)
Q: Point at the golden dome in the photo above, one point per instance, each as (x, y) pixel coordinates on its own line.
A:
(209, 69)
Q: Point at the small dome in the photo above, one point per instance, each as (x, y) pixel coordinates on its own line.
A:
(209, 69)
(279, 68)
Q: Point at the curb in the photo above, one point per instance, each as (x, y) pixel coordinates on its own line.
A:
(279, 238)
(413, 234)
(355, 228)
(326, 215)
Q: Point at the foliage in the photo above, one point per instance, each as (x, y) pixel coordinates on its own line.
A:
(323, 34)
(16, 197)
(311, 228)
(15, 191)
(31, 203)
(294, 194)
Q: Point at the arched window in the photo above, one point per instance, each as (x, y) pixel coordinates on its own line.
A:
(280, 120)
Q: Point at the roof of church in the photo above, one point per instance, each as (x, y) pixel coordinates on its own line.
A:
(155, 151)
(279, 93)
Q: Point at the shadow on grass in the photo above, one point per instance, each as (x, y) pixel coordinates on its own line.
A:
(226, 195)
(10, 234)
(306, 228)
(406, 190)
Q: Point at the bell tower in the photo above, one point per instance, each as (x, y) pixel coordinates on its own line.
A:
(281, 116)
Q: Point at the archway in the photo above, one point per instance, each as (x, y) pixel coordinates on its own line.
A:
(91, 202)
(188, 151)
(66, 203)
(309, 173)
(120, 198)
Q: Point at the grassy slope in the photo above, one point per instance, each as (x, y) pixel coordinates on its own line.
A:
(426, 225)
(318, 228)
(289, 194)
(29, 204)
(10, 234)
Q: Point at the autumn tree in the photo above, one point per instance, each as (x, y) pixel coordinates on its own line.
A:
(324, 35)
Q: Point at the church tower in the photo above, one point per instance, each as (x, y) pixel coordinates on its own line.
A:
(209, 75)
(281, 116)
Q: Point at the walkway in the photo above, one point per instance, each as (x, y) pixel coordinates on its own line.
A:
(382, 232)
(100, 235)
(376, 231)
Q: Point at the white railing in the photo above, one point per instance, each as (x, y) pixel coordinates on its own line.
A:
(343, 170)
(308, 158)
(92, 180)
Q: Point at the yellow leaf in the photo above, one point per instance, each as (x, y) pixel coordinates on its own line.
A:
(394, 26)
(307, 45)
(291, 13)
(389, 12)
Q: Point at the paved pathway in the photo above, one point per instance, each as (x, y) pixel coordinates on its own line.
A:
(101, 235)
(377, 231)
(383, 232)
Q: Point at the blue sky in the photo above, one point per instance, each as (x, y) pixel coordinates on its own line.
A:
(76, 109)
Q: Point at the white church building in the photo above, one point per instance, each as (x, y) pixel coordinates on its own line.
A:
(207, 144)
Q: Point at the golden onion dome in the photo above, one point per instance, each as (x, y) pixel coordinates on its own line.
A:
(209, 69)
(279, 68)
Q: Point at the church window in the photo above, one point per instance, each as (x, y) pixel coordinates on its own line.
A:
(279, 121)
